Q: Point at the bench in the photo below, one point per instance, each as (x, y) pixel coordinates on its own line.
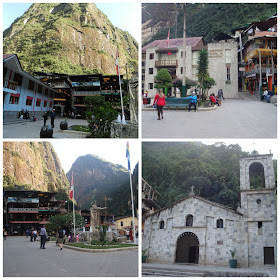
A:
(177, 103)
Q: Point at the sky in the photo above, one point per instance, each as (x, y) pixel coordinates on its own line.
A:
(112, 150)
(126, 16)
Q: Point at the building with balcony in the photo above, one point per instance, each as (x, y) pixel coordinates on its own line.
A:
(22, 91)
(25, 209)
(258, 56)
(222, 63)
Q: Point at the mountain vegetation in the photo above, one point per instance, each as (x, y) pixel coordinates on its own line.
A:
(172, 168)
(95, 178)
(33, 166)
(69, 38)
(202, 19)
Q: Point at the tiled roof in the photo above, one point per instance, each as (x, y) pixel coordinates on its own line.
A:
(5, 56)
(193, 41)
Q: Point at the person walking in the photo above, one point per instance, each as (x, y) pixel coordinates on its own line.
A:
(60, 237)
(35, 234)
(193, 99)
(220, 94)
(43, 234)
(31, 235)
(53, 116)
(45, 116)
(27, 232)
(5, 233)
(159, 102)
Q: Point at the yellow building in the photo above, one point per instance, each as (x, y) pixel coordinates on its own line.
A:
(126, 223)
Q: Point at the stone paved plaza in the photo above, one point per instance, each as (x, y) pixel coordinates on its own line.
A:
(245, 117)
(23, 258)
(28, 129)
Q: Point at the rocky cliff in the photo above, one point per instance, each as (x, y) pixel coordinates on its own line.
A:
(70, 38)
(95, 178)
(34, 166)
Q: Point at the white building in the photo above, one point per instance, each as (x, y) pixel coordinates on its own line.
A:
(21, 91)
(196, 230)
(223, 63)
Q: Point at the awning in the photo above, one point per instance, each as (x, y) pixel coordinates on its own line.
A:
(38, 99)
(15, 94)
(29, 97)
(59, 99)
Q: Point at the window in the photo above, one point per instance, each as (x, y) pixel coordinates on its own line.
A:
(39, 88)
(228, 57)
(29, 100)
(260, 225)
(121, 223)
(143, 71)
(151, 71)
(50, 104)
(46, 91)
(151, 85)
(38, 102)
(228, 73)
(181, 54)
(152, 55)
(189, 221)
(45, 103)
(143, 77)
(31, 85)
(220, 223)
(14, 98)
(161, 225)
(143, 63)
(18, 79)
(131, 223)
(181, 70)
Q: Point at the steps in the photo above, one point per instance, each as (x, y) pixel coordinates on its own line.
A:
(169, 272)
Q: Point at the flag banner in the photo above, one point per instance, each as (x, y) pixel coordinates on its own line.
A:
(117, 61)
(128, 155)
(71, 188)
(168, 37)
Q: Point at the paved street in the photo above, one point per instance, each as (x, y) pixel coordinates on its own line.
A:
(23, 258)
(30, 129)
(236, 118)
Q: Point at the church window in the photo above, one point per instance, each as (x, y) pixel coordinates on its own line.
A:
(260, 228)
(189, 221)
(220, 223)
(259, 201)
(161, 224)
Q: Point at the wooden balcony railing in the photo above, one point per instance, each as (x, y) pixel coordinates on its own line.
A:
(10, 84)
(166, 63)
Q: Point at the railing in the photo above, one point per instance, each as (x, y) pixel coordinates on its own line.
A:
(48, 208)
(10, 84)
(23, 210)
(257, 66)
(162, 63)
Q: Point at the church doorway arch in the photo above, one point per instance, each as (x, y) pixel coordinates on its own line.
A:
(256, 174)
(187, 250)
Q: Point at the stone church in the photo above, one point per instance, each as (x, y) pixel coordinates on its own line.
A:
(196, 230)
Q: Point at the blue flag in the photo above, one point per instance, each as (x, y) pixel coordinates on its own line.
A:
(128, 155)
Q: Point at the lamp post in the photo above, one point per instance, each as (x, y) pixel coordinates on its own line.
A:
(184, 56)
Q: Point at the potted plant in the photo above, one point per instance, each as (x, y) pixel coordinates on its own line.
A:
(144, 257)
(64, 125)
(233, 262)
(46, 132)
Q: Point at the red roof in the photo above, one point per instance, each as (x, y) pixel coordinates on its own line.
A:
(5, 56)
(193, 41)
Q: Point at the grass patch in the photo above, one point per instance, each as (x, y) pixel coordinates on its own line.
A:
(89, 246)
(80, 128)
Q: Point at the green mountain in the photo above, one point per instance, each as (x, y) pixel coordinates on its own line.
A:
(33, 166)
(203, 19)
(70, 38)
(95, 178)
(172, 168)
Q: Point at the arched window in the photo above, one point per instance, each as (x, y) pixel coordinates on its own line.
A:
(161, 224)
(220, 223)
(189, 221)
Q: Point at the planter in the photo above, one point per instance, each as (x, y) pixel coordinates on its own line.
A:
(144, 259)
(46, 132)
(63, 125)
(233, 263)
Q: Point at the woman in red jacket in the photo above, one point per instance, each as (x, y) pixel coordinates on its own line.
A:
(160, 102)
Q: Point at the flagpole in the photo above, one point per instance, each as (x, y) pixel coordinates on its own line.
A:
(118, 70)
(74, 208)
(132, 202)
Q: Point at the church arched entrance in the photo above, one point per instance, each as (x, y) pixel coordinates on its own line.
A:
(187, 248)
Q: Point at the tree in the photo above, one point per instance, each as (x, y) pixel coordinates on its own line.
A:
(202, 69)
(163, 76)
(65, 220)
(100, 115)
(208, 83)
(178, 84)
(102, 233)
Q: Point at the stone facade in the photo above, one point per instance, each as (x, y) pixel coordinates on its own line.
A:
(195, 230)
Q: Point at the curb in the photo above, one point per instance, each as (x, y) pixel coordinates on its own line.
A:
(99, 250)
(180, 109)
(75, 132)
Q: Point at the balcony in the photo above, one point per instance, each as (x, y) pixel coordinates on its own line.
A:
(10, 86)
(49, 209)
(166, 63)
(255, 69)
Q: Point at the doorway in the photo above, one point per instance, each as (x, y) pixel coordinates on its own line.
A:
(269, 255)
(187, 248)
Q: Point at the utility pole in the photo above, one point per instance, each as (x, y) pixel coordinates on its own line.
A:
(105, 198)
(260, 79)
(272, 69)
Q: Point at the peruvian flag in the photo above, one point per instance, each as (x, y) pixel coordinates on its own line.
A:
(71, 188)
(117, 61)
(168, 37)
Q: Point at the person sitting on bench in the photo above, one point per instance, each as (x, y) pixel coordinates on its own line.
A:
(213, 99)
(193, 99)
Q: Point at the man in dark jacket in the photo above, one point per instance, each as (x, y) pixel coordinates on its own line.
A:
(53, 116)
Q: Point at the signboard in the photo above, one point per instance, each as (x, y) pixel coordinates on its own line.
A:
(86, 84)
(23, 199)
(220, 242)
(215, 53)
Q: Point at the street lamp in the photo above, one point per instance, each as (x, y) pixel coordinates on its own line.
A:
(184, 55)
